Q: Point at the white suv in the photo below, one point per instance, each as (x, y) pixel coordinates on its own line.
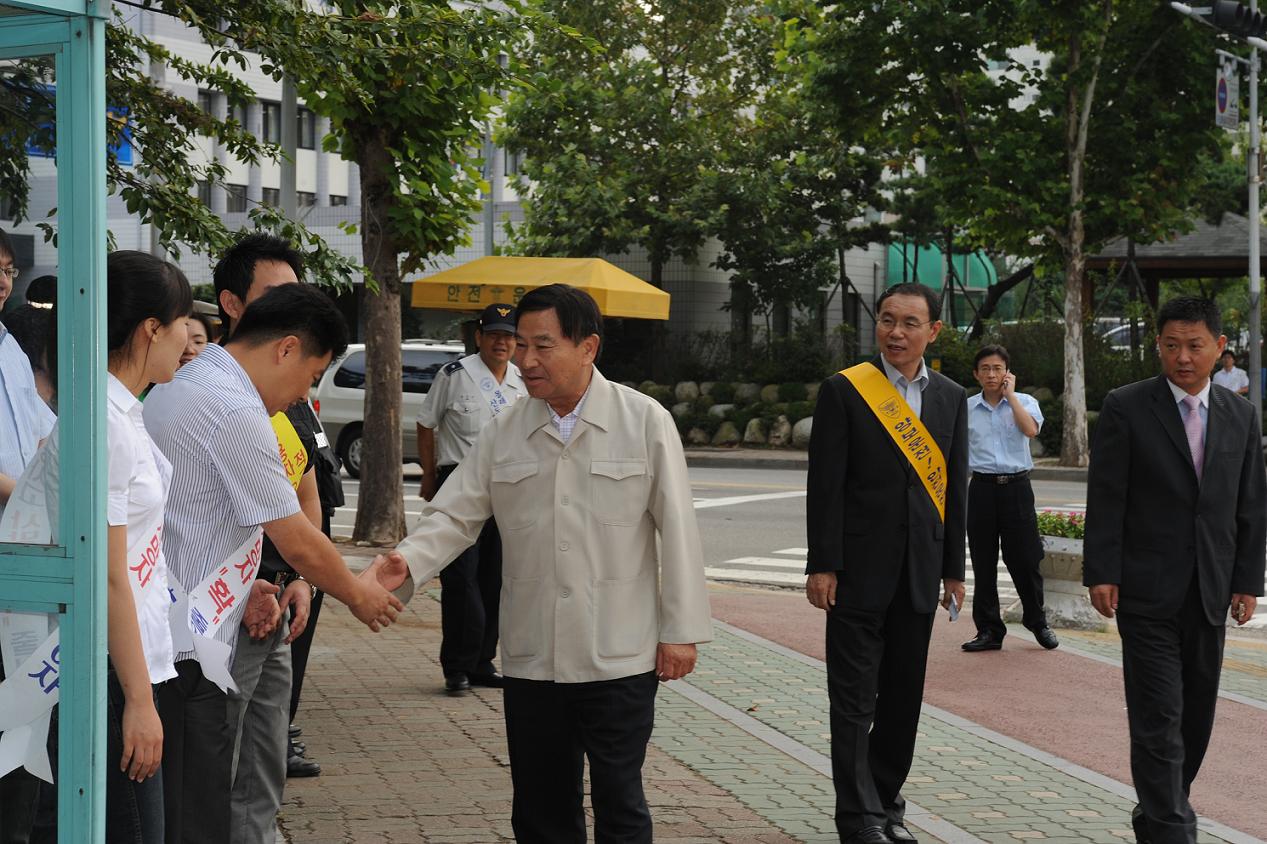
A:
(339, 397)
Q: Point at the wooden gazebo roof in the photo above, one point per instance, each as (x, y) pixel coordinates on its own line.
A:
(1208, 251)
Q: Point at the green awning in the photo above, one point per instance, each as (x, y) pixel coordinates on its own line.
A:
(975, 270)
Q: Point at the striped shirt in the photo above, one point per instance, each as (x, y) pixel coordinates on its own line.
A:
(565, 425)
(227, 476)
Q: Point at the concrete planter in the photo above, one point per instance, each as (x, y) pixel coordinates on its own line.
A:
(1063, 593)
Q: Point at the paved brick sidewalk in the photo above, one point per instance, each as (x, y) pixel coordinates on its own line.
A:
(739, 754)
(404, 763)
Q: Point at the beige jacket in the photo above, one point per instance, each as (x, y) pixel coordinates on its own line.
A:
(585, 595)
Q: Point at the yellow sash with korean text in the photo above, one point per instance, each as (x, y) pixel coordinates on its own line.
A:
(290, 448)
(901, 423)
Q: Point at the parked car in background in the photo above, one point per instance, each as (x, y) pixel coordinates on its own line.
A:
(339, 397)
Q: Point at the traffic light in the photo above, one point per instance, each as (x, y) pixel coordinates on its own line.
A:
(1237, 19)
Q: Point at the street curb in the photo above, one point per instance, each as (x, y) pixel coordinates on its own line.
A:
(753, 458)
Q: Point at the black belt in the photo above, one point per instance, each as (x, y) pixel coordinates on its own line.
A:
(1001, 479)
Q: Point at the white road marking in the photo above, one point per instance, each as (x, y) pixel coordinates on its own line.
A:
(706, 503)
(795, 552)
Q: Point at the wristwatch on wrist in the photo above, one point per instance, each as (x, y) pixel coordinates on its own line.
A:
(312, 588)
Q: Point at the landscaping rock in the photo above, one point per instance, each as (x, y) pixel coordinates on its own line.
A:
(811, 392)
(801, 431)
(727, 434)
(645, 386)
(755, 433)
(682, 408)
(1036, 449)
(1043, 394)
(747, 393)
(697, 436)
(781, 432)
(705, 388)
(686, 391)
(720, 410)
(770, 393)
(661, 393)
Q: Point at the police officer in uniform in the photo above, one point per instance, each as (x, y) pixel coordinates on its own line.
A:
(465, 396)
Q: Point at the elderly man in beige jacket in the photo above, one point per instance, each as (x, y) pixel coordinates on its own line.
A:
(582, 478)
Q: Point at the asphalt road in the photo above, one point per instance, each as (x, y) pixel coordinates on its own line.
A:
(741, 512)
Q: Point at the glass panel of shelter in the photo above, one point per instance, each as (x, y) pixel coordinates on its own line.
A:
(52, 549)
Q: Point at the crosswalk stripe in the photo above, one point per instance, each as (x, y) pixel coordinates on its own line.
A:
(795, 552)
(767, 562)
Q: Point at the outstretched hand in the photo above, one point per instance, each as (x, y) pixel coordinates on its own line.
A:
(390, 570)
(263, 613)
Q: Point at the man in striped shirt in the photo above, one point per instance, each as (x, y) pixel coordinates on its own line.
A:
(212, 423)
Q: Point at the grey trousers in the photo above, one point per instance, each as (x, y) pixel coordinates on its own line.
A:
(259, 713)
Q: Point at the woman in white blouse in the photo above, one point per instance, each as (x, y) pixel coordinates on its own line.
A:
(147, 301)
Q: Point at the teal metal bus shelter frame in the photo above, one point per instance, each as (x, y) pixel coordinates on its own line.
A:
(70, 578)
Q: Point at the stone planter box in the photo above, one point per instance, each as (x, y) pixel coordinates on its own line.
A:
(1063, 593)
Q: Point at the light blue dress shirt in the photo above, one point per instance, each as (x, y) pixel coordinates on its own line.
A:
(912, 391)
(996, 446)
(24, 417)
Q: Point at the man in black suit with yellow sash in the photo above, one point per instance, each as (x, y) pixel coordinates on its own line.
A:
(888, 482)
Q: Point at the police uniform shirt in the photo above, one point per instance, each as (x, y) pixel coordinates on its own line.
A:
(456, 408)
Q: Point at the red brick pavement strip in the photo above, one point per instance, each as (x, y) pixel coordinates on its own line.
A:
(404, 763)
(1059, 702)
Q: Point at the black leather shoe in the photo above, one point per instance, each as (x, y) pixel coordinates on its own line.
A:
(298, 766)
(492, 680)
(1047, 638)
(898, 832)
(1140, 825)
(295, 732)
(983, 642)
(869, 835)
(297, 748)
(457, 682)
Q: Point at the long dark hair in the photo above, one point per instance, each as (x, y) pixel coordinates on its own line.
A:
(140, 286)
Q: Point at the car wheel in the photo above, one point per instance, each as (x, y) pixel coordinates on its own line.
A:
(350, 451)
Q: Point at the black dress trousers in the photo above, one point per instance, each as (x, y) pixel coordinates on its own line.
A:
(1171, 669)
(470, 597)
(875, 682)
(551, 728)
(1004, 513)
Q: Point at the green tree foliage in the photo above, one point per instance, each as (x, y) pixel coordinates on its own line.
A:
(788, 190)
(162, 128)
(408, 87)
(619, 130)
(1044, 160)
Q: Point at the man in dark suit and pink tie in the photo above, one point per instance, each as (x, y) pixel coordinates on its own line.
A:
(1176, 530)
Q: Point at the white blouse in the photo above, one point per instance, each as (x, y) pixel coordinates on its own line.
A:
(138, 480)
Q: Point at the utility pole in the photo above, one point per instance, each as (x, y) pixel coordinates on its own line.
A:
(1244, 22)
(1255, 264)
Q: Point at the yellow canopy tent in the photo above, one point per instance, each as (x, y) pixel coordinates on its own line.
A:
(497, 278)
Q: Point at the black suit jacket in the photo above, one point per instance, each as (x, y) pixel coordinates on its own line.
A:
(868, 513)
(1149, 524)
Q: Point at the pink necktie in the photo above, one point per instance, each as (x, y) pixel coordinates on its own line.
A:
(1192, 427)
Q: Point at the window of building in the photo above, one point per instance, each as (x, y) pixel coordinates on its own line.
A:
(272, 112)
(204, 192)
(304, 199)
(236, 198)
(514, 162)
(238, 113)
(307, 129)
(206, 101)
(336, 200)
(272, 196)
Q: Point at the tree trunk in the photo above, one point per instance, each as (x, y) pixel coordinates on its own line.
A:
(380, 512)
(1074, 448)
